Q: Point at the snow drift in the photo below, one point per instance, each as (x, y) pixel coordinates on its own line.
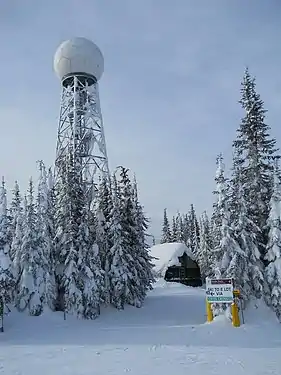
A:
(167, 255)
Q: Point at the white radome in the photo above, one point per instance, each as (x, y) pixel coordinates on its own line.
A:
(78, 55)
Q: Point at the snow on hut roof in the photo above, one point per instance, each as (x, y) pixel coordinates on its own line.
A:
(167, 255)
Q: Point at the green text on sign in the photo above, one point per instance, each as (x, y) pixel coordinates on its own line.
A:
(219, 299)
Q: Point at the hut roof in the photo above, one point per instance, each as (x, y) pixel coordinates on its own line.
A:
(167, 255)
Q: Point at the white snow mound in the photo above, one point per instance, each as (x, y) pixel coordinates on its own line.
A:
(167, 255)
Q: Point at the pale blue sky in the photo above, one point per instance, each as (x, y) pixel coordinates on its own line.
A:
(168, 95)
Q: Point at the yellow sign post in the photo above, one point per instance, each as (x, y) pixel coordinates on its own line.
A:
(210, 316)
(235, 315)
(235, 309)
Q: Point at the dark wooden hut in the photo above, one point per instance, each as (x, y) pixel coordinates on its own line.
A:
(187, 272)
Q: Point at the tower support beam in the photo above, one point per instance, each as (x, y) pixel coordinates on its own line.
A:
(81, 128)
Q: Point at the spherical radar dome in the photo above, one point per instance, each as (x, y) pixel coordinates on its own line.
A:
(78, 55)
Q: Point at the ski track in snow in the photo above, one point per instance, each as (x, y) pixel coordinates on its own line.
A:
(168, 335)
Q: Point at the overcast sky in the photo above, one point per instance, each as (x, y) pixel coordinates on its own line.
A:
(169, 92)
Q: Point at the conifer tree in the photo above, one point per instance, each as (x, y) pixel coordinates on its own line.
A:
(187, 230)
(90, 274)
(226, 246)
(16, 233)
(79, 275)
(249, 275)
(194, 231)
(137, 289)
(235, 186)
(130, 271)
(7, 281)
(229, 248)
(62, 217)
(103, 211)
(273, 248)
(239, 266)
(254, 151)
(31, 288)
(16, 247)
(45, 233)
(174, 231)
(205, 256)
(15, 212)
(103, 222)
(68, 213)
(166, 232)
(219, 210)
(144, 259)
(51, 204)
(179, 229)
(121, 274)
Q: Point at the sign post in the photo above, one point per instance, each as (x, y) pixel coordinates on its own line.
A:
(221, 291)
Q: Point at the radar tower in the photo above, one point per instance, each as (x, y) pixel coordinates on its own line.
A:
(79, 65)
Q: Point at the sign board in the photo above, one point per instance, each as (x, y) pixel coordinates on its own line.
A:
(219, 290)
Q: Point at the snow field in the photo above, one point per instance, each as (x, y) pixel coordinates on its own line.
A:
(168, 335)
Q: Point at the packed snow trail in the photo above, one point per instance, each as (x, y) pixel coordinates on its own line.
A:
(168, 335)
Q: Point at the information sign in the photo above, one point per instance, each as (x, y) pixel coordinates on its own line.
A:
(219, 290)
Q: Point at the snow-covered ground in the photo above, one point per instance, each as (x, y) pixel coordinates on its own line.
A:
(167, 336)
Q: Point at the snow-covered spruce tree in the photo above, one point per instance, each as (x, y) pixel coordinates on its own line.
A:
(91, 275)
(237, 264)
(230, 248)
(16, 233)
(205, 255)
(174, 231)
(137, 286)
(45, 233)
(67, 216)
(17, 247)
(7, 281)
(187, 230)
(166, 232)
(51, 204)
(14, 212)
(273, 248)
(219, 209)
(131, 269)
(79, 276)
(255, 150)
(122, 272)
(31, 286)
(180, 228)
(194, 231)
(235, 187)
(227, 247)
(250, 280)
(102, 213)
(145, 266)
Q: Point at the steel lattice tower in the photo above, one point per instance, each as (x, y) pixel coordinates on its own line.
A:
(79, 65)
